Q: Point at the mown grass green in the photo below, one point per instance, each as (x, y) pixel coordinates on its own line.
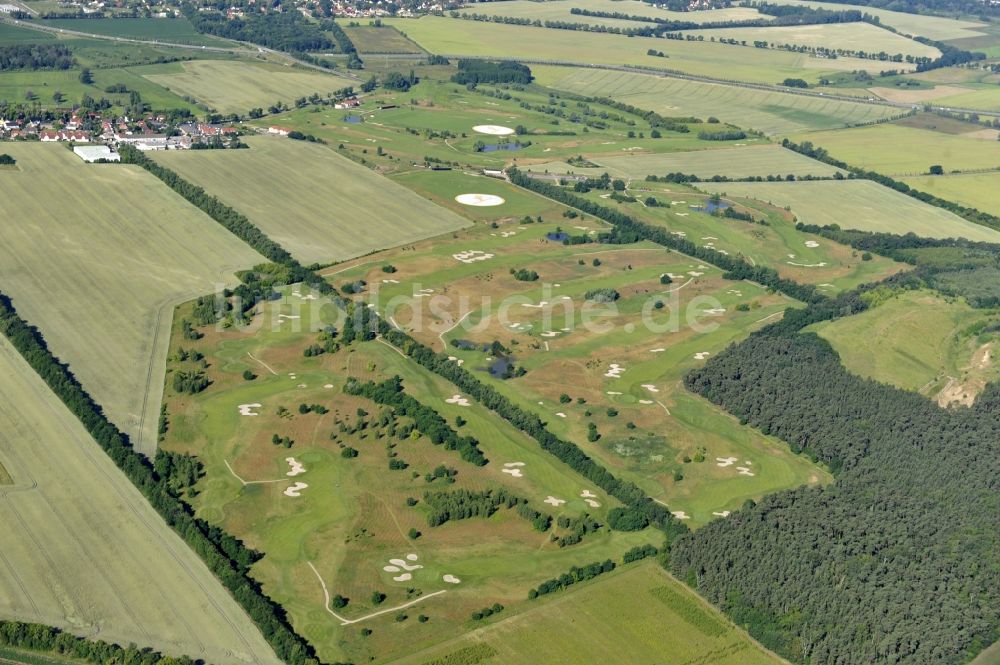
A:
(127, 250)
(859, 204)
(767, 111)
(84, 551)
(320, 206)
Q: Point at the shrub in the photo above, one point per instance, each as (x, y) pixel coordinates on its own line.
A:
(627, 519)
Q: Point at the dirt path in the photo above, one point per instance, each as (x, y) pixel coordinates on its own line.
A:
(347, 622)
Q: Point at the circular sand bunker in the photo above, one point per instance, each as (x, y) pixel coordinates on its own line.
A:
(482, 200)
(495, 130)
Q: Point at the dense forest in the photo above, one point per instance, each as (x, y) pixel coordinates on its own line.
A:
(483, 71)
(284, 31)
(899, 560)
(35, 56)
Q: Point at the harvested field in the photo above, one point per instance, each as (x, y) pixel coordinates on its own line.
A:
(81, 548)
(99, 269)
(760, 160)
(318, 205)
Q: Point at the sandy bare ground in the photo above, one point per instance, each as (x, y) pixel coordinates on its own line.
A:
(964, 393)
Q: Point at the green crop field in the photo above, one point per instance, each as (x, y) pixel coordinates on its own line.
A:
(770, 112)
(978, 190)
(83, 550)
(983, 96)
(637, 615)
(236, 87)
(933, 27)
(560, 11)
(384, 39)
(896, 150)
(847, 36)
(919, 341)
(12, 34)
(99, 267)
(175, 30)
(351, 517)
(741, 162)
(320, 206)
(458, 37)
(859, 204)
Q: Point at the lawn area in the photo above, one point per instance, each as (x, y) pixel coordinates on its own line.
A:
(84, 551)
(236, 87)
(898, 150)
(320, 206)
(737, 162)
(99, 268)
(351, 515)
(372, 40)
(975, 190)
(858, 204)
(479, 39)
(635, 615)
(847, 36)
(174, 30)
(769, 112)
(919, 341)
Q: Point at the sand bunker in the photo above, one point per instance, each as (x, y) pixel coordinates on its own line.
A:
(551, 333)
(405, 577)
(612, 392)
(645, 401)
(493, 130)
(451, 579)
(744, 471)
(328, 386)
(539, 305)
(561, 414)
(514, 473)
(725, 461)
(650, 387)
(724, 513)
(812, 243)
(681, 515)
(390, 281)
(295, 490)
(695, 273)
(247, 409)
(481, 200)
(714, 311)
(701, 355)
(587, 494)
(592, 503)
(659, 350)
(614, 371)
(458, 399)
(296, 465)
(472, 255)
(397, 565)
(552, 501)
(288, 316)
(457, 361)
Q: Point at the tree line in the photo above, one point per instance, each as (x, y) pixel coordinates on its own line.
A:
(48, 640)
(474, 72)
(36, 56)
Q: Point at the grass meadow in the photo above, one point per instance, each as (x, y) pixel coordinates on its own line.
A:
(858, 204)
(769, 112)
(127, 250)
(352, 517)
(918, 341)
(898, 150)
(977, 190)
(560, 11)
(236, 87)
(479, 39)
(383, 39)
(634, 615)
(320, 206)
(176, 30)
(11, 35)
(83, 550)
(736, 162)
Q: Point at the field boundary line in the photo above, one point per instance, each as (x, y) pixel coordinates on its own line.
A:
(348, 622)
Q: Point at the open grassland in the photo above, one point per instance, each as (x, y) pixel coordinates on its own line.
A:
(932, 27)
(859, 204)
(320, 206)
(175, 30)
(981, 96)
(559, 10)
(919, 341)
(847, 36)
(630, 616)
(434, 121)
(741, 162)
(82, 549)
(384, 39)
(351, 517)
(898, 150)
(770, 112)
(12, 34)
(99, 267)
(651, 430)
(236, 87)
(448, 36)
(974, 190)
(42, 85)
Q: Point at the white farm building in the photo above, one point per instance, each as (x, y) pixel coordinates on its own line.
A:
(93, 153)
